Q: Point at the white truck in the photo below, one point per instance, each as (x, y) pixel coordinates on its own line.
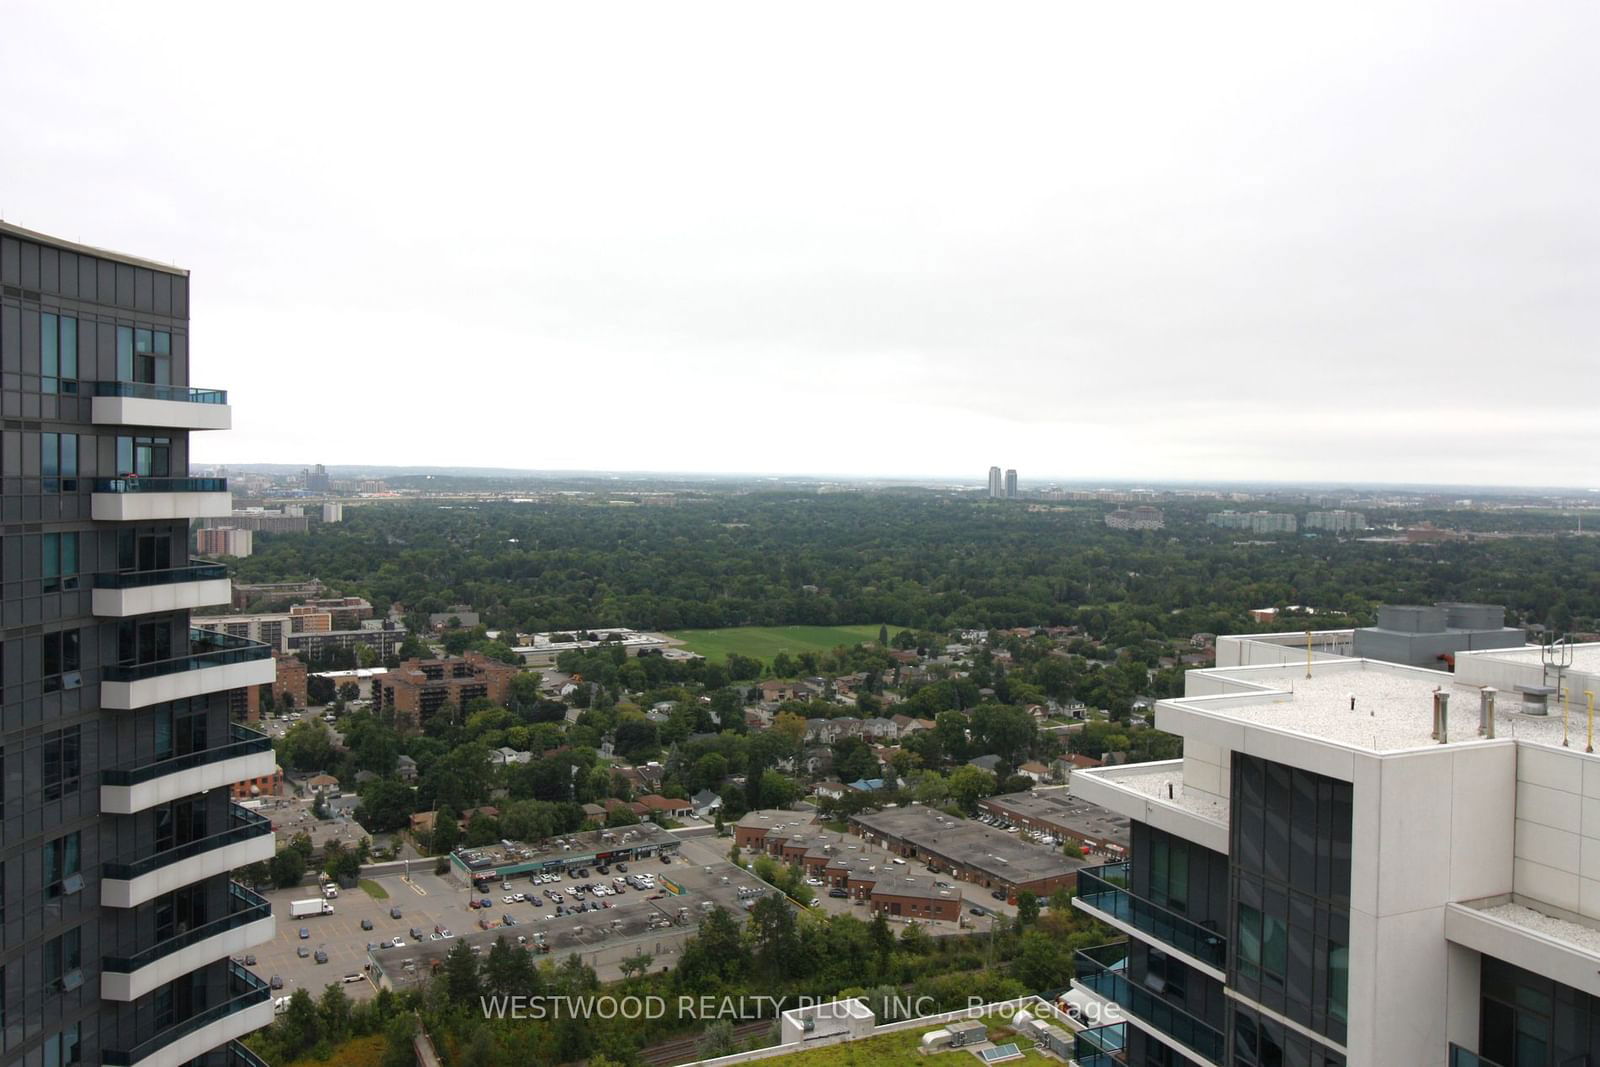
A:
(299, 909)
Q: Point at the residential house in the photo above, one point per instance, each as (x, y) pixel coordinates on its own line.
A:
(706, 803)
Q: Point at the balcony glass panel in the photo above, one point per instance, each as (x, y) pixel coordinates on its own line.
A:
(1460, 1057)
(135, 484)
(1101, 1046)
(207, 649)
(247, 991)
(245, 742)
(1106, 889)
(182, 394)
(247, 908)
(195, 572)
(246, 824)
(1102, 970)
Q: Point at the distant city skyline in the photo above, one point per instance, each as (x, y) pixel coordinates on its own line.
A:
(1371, 258)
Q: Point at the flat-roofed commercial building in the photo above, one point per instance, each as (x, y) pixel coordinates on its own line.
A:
(1067, 818)
(968, 850)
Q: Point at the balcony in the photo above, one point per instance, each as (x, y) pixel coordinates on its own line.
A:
(250, 923)
(1460, 1057)
(215, 663)
(1102, 971)
(1103, 893)
(176, 407)
(248, 840)
(248, 1008)
(1101, 1046)
(122, 594)
(240, 1056)
(247, 755)
(133, 499)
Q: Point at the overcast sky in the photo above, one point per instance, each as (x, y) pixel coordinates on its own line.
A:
(1193, 241)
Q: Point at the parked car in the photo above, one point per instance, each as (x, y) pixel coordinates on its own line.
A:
(366, 924)
(841, 893)
(305, 933)
(394, 913)
(998, 894)
(321, 956)
(302, 951)
(623, 867)
(975, 911)
(277, 981)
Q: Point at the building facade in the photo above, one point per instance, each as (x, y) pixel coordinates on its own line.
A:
(1011, 484)
(418, 688)
(1357, 862)
(118, 919)
(997, 487)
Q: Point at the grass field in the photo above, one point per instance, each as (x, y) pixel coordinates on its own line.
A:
(764, 642)
(374, 890)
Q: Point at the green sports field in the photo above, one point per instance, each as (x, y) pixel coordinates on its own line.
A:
(764, 642)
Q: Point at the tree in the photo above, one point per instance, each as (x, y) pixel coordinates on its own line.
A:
(776, 938)
(333, 1011)
(1027, 909)
(386, 804)
(288, 867)
(461, 974)
(790, 727)
(301, 1025)
(635, 966)
(882, 939)
(307, 747)
(968, 785)
(716, 1040)
(446, 832)
(883, 637)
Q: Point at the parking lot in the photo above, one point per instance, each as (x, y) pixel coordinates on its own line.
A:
(423, 903)
(626, 924)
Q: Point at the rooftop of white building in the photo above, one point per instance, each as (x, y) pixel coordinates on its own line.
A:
(1370, 705)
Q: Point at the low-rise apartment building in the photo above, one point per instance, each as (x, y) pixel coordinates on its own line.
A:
(968, 850)
(418, 688)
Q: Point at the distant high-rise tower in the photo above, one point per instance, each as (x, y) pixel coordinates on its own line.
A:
(996, 487)
(1011, 484)
(317, 481)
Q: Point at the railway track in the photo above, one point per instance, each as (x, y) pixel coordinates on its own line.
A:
(685, 1049)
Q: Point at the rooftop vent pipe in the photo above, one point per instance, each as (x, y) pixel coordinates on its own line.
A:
(1486, 712)
(1441, 717)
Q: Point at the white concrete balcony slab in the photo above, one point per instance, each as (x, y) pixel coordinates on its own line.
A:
(1154, 793)
(174, 407)
(126, 791)
(216, 663)
(249, 840)
(133, 499)
(1530, 935)
(125, 594)
(248, 925)
(249, 1009)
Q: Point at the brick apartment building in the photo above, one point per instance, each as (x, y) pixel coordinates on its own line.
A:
(417, 688)
(266, 785)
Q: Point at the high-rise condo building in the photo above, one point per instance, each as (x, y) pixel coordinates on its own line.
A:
(118, 919)
(1011, 484)
(1356, 862)
(996, 486)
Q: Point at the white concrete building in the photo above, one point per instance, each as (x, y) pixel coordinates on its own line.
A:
(1375, 864)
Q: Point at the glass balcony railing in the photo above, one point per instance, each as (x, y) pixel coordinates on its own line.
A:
(247, 908)
(196, 571)
(1106, 889)
(183, 394)
(246, 992)
(245, 825)
(1101, 1046)
(245, 742)
(132, 483)
(241, 1056)
(1460, 1057)
(1103, 970)
(207, 649)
